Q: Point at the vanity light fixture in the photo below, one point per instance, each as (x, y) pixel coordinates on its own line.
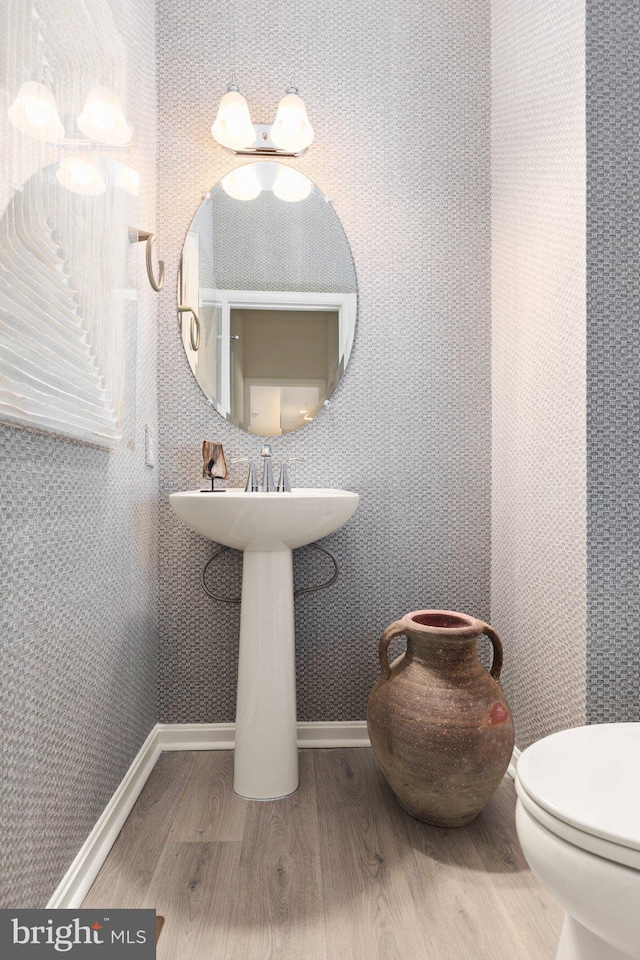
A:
(248, 181)
(81, 174)
(128, 179)
(35, 113)
(291, 130)
(290, 185)
(232, 127)
(103, 118)
(289, 135)
(242, 183)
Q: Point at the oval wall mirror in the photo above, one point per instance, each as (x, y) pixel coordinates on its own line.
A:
(267, 298)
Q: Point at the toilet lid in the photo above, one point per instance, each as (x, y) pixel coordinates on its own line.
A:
(590, 778)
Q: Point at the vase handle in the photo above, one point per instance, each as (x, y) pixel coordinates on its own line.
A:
(496, 666)
(395, 630)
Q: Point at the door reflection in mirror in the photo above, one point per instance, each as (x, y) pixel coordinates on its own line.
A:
(276, 293)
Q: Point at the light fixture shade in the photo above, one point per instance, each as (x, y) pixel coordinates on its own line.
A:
(290, 185)
(291, 130)
(81, 174)
(103, 118)
(242, 183)
(35, 113)
(232, 127)
(128, 179)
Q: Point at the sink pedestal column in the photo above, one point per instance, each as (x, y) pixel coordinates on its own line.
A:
(266, 752)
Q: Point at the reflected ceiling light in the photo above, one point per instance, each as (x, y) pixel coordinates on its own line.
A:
(35, 113)
(291, 130)
(290, 185)
(242, 183)
(103, 118)
(232, 127)
(128, 179)
(81, 174)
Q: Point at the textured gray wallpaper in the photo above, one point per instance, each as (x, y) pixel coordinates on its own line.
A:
(538, 575)
(613, 359)
(307, 250)
(398, 95)
(78, 572)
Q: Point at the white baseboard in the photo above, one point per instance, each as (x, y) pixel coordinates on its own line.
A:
(75, 884)
(221, 736)
(333, 733)
(196, 736)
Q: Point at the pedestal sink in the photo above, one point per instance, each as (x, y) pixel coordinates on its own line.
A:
(267, 527)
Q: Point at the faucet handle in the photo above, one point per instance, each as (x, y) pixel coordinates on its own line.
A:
(284, 485)
(251, 485)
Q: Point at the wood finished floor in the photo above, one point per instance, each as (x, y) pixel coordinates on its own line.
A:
(337, 871)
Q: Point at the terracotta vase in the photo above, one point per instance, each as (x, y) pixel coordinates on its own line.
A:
(439, 722)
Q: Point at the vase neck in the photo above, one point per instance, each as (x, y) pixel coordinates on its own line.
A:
(440, 652)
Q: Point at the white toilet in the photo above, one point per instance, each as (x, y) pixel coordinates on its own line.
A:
(578, 821)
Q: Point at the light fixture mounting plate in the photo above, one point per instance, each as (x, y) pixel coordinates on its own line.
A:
(263, 145)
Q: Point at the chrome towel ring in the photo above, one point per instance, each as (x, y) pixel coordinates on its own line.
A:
(194, 326)
(136, 236)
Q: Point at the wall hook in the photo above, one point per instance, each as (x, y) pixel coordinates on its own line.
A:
(136, 236)
(194, 326)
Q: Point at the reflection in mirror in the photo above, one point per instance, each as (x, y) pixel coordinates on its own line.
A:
(268, 293)
(67, 299)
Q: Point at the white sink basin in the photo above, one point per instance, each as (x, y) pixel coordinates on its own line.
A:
(265, 521)
(266, 526)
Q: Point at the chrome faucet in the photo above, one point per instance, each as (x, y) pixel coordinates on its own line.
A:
(267, 485)
(284, 486)
(251, 485)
